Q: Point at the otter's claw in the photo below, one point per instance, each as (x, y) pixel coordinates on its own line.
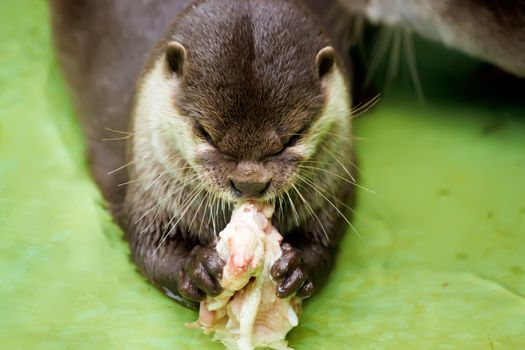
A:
(201, 274)
(291, 273)
(187, 289)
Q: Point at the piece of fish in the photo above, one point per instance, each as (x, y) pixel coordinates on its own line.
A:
(248, 314)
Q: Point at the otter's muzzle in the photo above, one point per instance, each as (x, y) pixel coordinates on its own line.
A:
(249, 189)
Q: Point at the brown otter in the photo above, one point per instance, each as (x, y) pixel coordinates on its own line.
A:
(487, 29)
(237, 99)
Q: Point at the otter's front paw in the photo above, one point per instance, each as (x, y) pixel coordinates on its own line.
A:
(200, 274)
(289, 270)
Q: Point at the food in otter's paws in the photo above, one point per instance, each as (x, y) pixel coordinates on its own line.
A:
(248, 314)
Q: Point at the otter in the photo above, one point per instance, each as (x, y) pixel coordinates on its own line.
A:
(490, 30)
(218, 100)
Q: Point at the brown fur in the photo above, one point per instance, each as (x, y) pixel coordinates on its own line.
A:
(491, 30)
(102, 47)
(250, 79)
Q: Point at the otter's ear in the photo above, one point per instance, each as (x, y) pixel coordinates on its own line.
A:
(325, 61)
(175, 57)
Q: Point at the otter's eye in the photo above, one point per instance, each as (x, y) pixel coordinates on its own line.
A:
(204, 134)
(290, 143)
(292, 140)
(296, 137)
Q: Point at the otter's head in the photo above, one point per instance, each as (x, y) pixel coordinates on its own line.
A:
(242, 92)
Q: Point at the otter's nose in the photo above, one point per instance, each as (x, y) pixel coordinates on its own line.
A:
(249, 189)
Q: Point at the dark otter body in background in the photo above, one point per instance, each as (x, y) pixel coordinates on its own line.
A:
(490, 30)
(236, 95)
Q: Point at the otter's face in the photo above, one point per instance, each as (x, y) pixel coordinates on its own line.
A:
(247, 136)
(240, 162)
(241, 111)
